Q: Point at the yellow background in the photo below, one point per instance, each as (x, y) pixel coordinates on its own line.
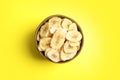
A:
(98, 60)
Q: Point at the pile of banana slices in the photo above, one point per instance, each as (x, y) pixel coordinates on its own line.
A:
(59, 39)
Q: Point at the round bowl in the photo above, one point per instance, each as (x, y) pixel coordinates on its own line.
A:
(46, 20)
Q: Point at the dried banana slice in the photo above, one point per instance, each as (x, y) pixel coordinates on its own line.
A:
(46, 51)
(73, 26)
(65, 24)
(74, 43)
(66, 56)
(53, 55)
(44, 43)
(73, 36)
(58, 38)
(68, 48)
(38, 37)
(39, 48)
(78, 48)
(54, 23)
(44, 31)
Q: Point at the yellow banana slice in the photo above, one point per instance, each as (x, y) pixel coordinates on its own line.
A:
(38, 37)
(68, 48)
(44, 43)
(54, 23)
(44, 31)
(73, 26)
(65, 24)
(53, 55)
(73, 36)
(78, 48)
(46, 51)
(58, 38)
(74, 43)
(66, 56)
(39, 48)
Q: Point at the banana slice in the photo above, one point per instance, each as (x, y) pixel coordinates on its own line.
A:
(44, 43)
(58, 38)
(77, 44)
(66, 56)
(73, 36)
(68, 48)
(78, 48)
(39, 48)
(53, 55)
(73, 26)
(74, 43)
(65, 24)
(38, 37)
(54, 23)
(46, 51)
(44, 31)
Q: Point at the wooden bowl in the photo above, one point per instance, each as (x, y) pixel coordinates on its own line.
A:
(46, 20)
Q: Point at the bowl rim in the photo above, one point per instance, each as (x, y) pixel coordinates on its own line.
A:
(61, 16)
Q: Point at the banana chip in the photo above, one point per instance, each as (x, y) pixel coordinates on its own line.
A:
(44, 43)
(73, 26)
(65, 56)
(65, 24)
(54, 24)
(58, 38)
(73, 36)
(68, 48)
(44, 31)
(74, 43)
(53, 55)
(38, 37)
